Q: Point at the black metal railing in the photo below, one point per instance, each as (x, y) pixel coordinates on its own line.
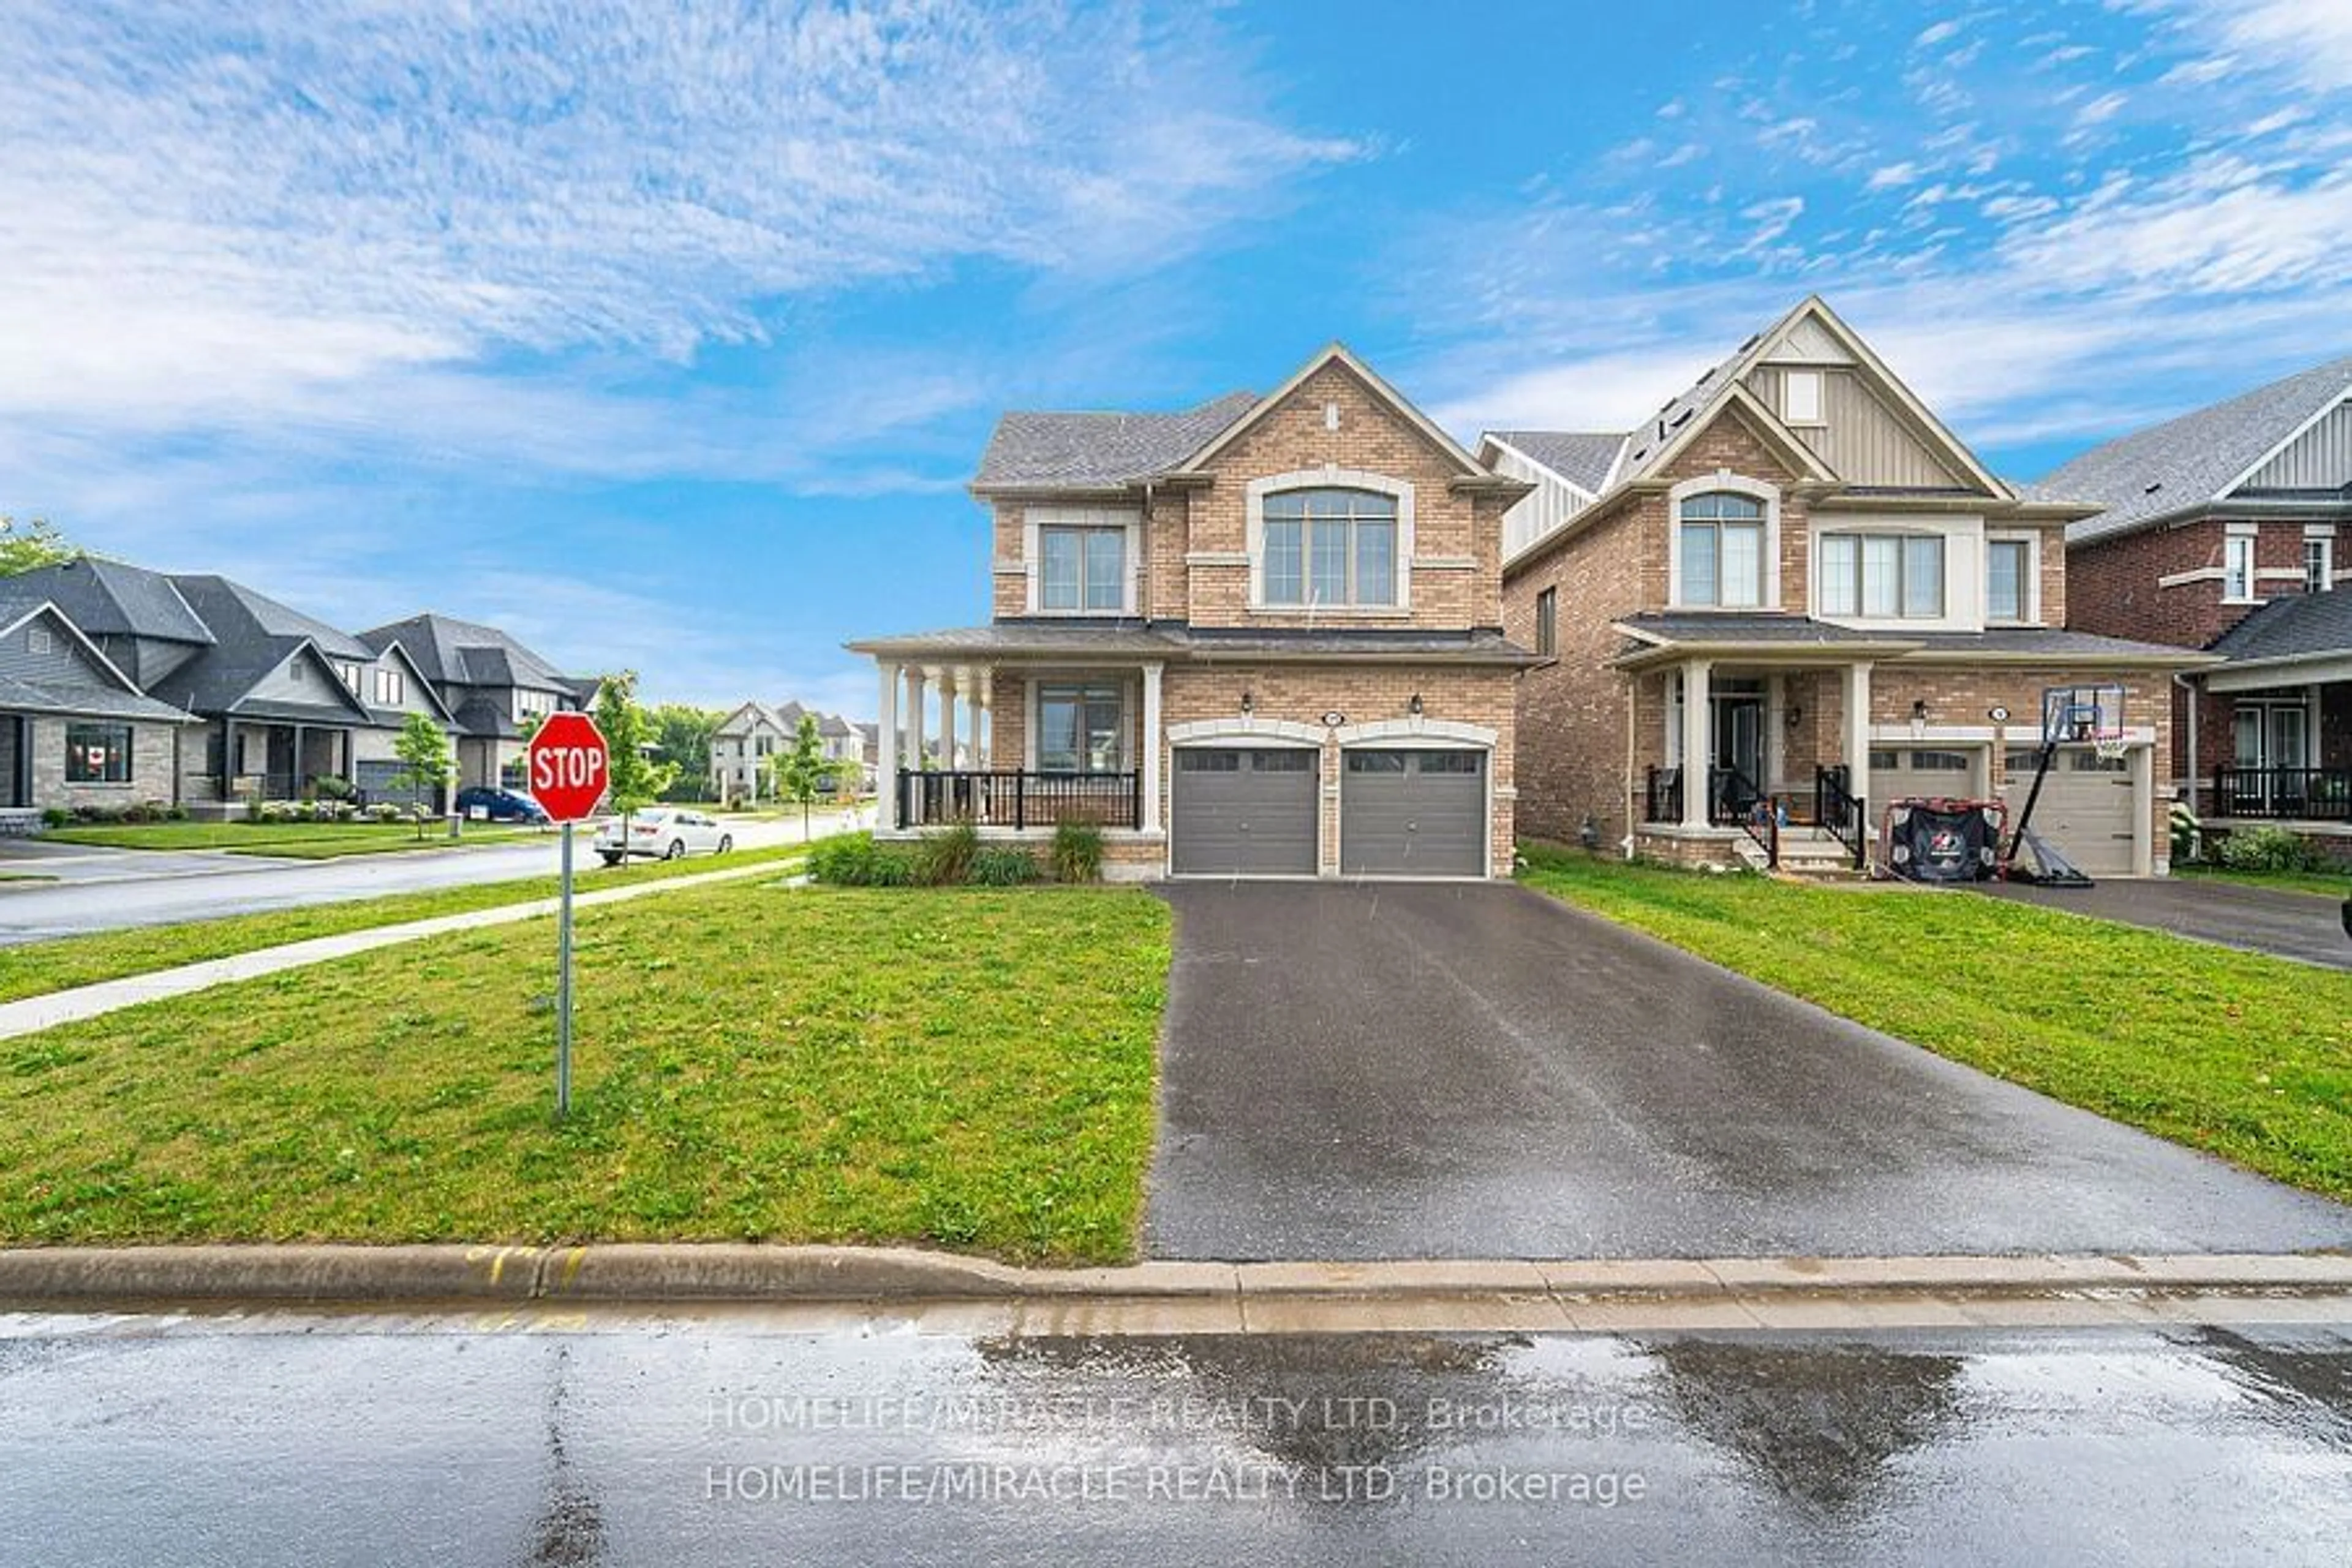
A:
(2303, 794)
(1662, 798)
(1841, 813)
(1011, 798)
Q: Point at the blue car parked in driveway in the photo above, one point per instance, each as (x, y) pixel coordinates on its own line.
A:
(485, 802)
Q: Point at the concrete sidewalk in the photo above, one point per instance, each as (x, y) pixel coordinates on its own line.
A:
(37, 1013)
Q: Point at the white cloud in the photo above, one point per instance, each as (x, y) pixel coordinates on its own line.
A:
(2219, 227)
(1935, 34)
(1893, 175)
(1772, 218)
(2312, 39)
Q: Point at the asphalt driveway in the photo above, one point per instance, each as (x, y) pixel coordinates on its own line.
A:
(2306, 927)
(1426, 1071)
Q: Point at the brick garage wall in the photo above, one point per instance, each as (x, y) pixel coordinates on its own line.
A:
(1303, 693)
(151, 769)
(1293, 436)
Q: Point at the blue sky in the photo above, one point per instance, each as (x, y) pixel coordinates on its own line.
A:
(667, 334)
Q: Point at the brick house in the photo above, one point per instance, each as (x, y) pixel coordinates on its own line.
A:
(1258, 638)
(1796, 572)
(2229, 530)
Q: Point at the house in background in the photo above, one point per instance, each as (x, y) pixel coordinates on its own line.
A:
(1259, 638)
(494, 688)
(739, 750)
(2230, 530)
(1795, 583)
(75, 731)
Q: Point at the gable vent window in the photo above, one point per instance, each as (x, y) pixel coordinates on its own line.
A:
(37, 640)
(1800, 397)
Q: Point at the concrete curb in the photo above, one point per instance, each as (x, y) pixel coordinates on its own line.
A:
(655, 1273)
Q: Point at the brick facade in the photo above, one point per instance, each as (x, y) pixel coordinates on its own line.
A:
(153, 770)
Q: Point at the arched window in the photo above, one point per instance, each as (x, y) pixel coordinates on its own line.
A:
(1719, 535)
(1330, 547)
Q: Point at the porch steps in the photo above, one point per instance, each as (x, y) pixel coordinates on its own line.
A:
(1811, 852)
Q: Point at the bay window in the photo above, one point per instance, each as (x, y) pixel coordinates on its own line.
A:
(1082, 569)
(1081, 728)
(1889, 576)
(1720, 545)
(1329, 548)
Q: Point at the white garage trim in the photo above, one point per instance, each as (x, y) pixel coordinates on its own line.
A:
(1463, 737)
(1252, 732)
(1381, 731)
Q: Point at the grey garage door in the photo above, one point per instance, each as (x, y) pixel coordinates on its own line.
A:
(1414, 813)
(1243, 811)
(2087, 808)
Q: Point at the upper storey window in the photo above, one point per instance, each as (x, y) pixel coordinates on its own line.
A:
(1892, 576)
(1082, 569)
(1330, 547)
(1720, 546)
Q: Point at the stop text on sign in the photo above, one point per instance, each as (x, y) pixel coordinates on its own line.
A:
(570, 767)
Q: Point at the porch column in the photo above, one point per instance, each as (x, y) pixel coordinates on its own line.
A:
(917, 692)
(1151, 739)
(2194, 690)
(951, 699)
(984, 723)
(1857, 730)
(1698, 759)
(886, 761)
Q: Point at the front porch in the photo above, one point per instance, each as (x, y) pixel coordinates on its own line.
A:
(2281, 754)
(247, 763)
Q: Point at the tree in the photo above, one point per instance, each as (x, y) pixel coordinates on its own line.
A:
(803, 771)
(682, 735)
(425, 764)
(636, 779)
(30, 545)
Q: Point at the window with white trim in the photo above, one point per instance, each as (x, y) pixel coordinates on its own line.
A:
(1883, 576)
(1330, 547)
(1720, 540)
(1081, 729)
(2238, 566)
(2318, 563)
(2009, 579)
(1800, 397)
(1082, 569)
(391, 686)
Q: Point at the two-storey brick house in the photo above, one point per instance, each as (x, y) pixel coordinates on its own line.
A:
(1797, 575)
(2230, 530)
(1259, 638)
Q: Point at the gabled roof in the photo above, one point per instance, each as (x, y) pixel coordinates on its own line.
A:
(746, 716)
(253, 634)
(1577, 457)
(833, 726)
(467, 653)
(2197, 460)
(1337, 353)
(1047, 451)
(2304, 627)
(110, 695)
(113, 598)
(237, 613)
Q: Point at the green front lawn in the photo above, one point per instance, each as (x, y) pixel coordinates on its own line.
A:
(959, 1069)
(299, 840)
(35, 969)
(2243, 1055)
(2329, 884)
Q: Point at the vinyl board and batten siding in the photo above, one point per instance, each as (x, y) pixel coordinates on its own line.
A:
(2319, 460)
(1862, 439)
(1551, 503)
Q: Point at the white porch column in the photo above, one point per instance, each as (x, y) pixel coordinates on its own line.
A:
(917, 698)
(1152, 747)
(950, 690)
(983, 728)
(885, 760)
(1698, 752)
(1858, 731)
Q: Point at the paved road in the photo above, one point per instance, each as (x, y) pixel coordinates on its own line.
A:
(1479, 1072)
(312, 1442)
(2307, 927)
(110, 890)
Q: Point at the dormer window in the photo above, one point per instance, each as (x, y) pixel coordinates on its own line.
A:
(1721, 548)
(1330, 548)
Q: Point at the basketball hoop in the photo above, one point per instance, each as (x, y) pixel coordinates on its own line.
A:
(2110, 749)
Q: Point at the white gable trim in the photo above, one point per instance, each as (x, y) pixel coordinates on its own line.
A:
(1794, 450)
(88, 647)
(1532, 461)
(1955, 451)
(1337, 353)
(2335, 399)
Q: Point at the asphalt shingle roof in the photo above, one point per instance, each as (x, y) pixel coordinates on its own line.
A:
(2307, 623)
(113, 598)
(252, 635)
(2189, 462)
(1089, 451)
(466, 653)
(1801, 631)
(1581, 458)
(1130, 640)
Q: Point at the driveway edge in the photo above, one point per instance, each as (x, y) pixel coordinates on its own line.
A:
(644, 1274)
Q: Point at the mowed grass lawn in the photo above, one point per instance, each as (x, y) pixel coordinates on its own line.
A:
(293, 840)
(37, 969)
(2245, 1056)
(966, 1070)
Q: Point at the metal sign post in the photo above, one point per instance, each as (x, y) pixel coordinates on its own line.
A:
(570, 768)
(563, 987)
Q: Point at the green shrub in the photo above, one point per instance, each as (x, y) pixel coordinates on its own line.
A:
(854, 860)
(2267, 849)
(332, 786)
(1077, 852)
(943, 859)
(1004, 868)
(56, 817)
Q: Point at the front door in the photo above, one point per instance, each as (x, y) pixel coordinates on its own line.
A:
(1738, 750)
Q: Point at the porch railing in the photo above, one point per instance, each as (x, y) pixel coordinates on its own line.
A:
(2303, 794)
(1010, 798)
(1841, 813)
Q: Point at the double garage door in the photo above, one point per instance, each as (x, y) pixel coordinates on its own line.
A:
(1240, 811)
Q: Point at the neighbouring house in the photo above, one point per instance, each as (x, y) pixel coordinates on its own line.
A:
(75, 731)
(1794, 584)
(844, 747)
(739, 750)
(2230, 530)
(1258, 638)
(495, 689)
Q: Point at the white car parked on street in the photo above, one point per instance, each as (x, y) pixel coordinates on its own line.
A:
(662, 833)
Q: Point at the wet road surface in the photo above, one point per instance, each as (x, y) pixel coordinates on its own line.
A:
(2306, 927)
(309, 1442)
(1467, 1072)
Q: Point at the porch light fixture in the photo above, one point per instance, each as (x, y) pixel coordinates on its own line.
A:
(1796, 715)
(1918, 711)
(1413, 707)
(1246, 702)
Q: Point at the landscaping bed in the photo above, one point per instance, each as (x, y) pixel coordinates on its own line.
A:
(969, 1070)
(2244, 1056)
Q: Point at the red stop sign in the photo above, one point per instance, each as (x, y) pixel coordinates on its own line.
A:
(570, 767)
